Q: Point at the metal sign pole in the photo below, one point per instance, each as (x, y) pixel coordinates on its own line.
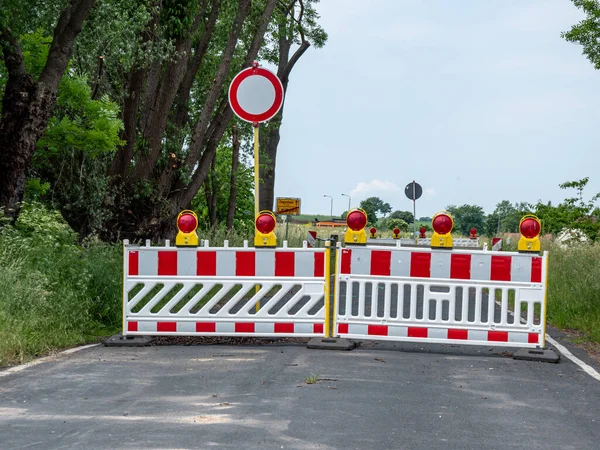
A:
(414, 210)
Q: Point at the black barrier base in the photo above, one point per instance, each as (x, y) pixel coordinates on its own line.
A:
(330, 344)
(543, 355)
(118, 340)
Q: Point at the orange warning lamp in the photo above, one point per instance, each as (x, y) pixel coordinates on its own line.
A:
(473, 233)
(373, 233)
(442, 224)
(356, 221)
(422, 231)
(530, 228)
(396, 232)
(187, 222)
(265, 225)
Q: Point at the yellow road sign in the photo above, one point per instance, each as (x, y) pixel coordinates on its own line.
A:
(288, 206)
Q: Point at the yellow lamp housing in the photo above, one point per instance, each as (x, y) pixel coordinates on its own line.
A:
(530, 228)
(356, 221)
(187, 222)
(442, 224)
(264, 235)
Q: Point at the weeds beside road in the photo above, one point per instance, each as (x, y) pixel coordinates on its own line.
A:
(57, 293)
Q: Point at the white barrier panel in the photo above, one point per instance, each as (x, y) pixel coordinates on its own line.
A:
(223, 291)
(441, 296)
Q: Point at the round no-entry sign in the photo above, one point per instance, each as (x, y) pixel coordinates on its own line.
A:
(255, 94)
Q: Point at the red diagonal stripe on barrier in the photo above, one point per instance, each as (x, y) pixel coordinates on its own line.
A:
(283, 328)
(284, 264)
(458, 334)
(343, 328)
(319, 265)
(132, 326)
(380, 262)
(420, 264)
(377, 330)
(498, 336)
(206, 263)
(244, 327)
(245, 264)
(206, 327)
(167, 263)
(134, 263)
(346, 261)
(500, 268)
(166, 327)
(536, 270)
(417, 332)
(460, 266)
(533, 338)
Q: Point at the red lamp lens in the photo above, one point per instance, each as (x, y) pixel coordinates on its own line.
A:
(356, 220)
(422, 230)
(473, 230)
(373, 230)
(530, 228)
(187, 223)
(396, 230)
(442, 224)
(265, 223)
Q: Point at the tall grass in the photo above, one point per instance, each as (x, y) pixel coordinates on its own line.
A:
(53, 292)
(574, 288)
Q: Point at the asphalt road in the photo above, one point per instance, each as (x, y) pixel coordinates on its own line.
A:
(382, 396)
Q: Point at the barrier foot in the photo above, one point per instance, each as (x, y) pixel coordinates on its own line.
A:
(118, 340)
(330, 344)
(543, 355)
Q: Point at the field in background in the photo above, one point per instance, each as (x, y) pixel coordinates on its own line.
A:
(57, 293)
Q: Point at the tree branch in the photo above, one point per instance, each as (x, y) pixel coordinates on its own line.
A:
(68, 28)
(12, 52)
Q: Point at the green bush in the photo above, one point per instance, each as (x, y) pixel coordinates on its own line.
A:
(54, 293)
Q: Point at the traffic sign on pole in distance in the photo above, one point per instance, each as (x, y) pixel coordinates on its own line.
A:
(413, 190)
(255, 94)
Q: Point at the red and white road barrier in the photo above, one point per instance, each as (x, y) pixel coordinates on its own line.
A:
(441, 296)
(223, 291)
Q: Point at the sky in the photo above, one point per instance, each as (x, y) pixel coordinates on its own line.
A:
(478, 101)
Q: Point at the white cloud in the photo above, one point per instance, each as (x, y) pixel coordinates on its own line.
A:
(375, 187)
(429, 193)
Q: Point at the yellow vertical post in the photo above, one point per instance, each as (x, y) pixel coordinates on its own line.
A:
(335, 273)
(256, 167)
(327, 289)
(256, 203)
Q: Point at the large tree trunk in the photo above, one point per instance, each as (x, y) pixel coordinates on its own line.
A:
(271, 142)
(235, 163)
(27, 104)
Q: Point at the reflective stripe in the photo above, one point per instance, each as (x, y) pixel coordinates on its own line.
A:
(440, 265)
(265, 263)
(148, 262)
(186, 263)
(400, 264)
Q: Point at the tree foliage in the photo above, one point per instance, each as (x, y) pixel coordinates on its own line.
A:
(373, 206)
(406, 216)
(587, 32)
(574, 213)
(467, 217)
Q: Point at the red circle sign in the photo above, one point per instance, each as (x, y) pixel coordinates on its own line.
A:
(255, 94)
